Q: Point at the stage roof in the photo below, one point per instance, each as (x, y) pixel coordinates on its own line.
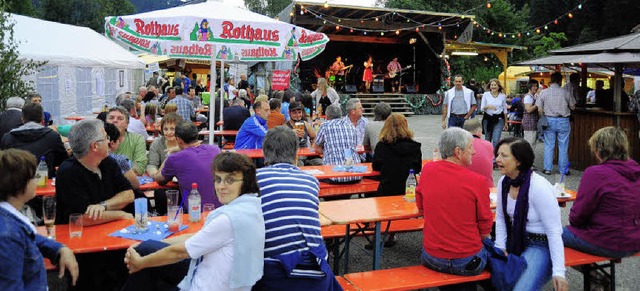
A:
(315, 16)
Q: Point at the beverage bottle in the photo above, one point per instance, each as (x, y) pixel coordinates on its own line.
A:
(41, 173)
(410, 189)
(105, 108)
(194, 204)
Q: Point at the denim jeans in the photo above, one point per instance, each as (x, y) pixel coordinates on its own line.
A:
(455, 121)
(538, 271)
(561, 128)
(574, 242)
(457, 267)
(495, 133)
(157, 278)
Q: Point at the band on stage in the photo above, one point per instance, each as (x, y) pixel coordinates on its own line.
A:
(373, 77)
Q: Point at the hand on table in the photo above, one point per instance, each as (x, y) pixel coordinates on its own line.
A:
(95, 211)
(68, 262)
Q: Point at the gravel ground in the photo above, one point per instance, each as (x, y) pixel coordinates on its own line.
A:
(407, 251)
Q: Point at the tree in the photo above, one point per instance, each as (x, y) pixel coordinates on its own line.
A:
(546, 43)
(21, 7)
(85, 13)
(269, 8)
(12, 67)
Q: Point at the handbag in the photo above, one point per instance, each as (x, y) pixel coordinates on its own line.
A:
(505, 270)
(542, 123)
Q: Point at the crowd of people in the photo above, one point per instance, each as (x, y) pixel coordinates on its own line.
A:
(264, 233)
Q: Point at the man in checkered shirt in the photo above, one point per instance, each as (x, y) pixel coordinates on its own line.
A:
(333, 138)
(185, 106)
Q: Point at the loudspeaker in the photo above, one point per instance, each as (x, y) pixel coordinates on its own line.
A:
(410, 89)
(377, 89)
(351, 89)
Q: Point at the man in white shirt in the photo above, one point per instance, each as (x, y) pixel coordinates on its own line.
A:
(459, 103)
(135, 125)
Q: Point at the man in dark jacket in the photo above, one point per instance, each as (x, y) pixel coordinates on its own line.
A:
(36, 139)
(234, 116)
(12, 117)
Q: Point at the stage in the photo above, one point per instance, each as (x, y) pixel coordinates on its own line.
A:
(407, 104)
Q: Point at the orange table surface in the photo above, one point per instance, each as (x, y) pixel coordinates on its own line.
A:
(328, 172)
(368, 209)
(50, 190)
(75, 117)
(302, 152)
(220, 132)
(96, 238)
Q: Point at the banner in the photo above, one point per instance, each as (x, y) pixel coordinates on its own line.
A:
(280, 80)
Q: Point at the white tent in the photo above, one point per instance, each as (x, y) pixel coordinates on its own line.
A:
(84, 69)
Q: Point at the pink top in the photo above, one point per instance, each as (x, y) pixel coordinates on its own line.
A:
(482, 161)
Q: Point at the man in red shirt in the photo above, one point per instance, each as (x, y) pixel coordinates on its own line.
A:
(454, 202)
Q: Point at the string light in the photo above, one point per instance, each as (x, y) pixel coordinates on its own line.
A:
(555, 22)
(397, 32)
(337, 27)
(382, 33)
(570, 15)
(291, 13)
(326, 4)
(488, 5)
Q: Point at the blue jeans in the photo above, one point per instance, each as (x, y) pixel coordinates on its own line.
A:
(157, 278)
(455, 121)
(538, 271)
(495, 133)
(561, 128)
(574, 242)
(469, 266)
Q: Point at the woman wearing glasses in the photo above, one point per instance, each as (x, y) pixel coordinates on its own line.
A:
(226, 254)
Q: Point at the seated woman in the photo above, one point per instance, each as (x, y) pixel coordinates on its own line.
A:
(604, 218)
(528, 220)
(396, 153)
(22, 248)
(159, 149)
(227, 253)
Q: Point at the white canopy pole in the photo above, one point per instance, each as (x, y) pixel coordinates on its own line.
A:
(212, 95)
(221, 88)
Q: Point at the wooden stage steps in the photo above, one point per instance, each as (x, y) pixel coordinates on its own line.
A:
(396, 101)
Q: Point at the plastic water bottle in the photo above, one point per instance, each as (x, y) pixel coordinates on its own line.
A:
(410, 189)
(194, 204)
(42, 173)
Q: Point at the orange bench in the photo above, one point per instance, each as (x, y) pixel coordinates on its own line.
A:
(346, 285)
(418, 277)
(333, 190)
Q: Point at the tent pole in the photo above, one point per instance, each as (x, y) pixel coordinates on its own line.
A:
(618, 85)
(221, 88)
(212, 95)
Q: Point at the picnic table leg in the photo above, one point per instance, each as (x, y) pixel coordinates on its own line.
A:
(586, 278)
(377, 252)
(336, 255)
(347, 240)
(612, 278)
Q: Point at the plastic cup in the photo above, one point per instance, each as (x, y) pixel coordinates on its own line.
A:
(75, 225)
(173, 198)
(49, 215)
(174, 218)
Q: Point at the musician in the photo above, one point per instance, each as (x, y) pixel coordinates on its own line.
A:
(394, 69)
(367, 76)
(337, 73)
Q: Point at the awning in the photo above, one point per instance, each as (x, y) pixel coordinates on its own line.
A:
(602, 59)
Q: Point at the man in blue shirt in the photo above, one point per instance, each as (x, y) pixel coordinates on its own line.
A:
(289, 97)
(253, 130)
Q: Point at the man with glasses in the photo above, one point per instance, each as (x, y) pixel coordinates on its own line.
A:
(133, 145)
(90, 182)
(191, 164)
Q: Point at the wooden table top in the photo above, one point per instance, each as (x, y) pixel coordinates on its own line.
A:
(50, 190)
(368, 209)
(302, 152)
(327, 172)
(96, 238)
(220, 132)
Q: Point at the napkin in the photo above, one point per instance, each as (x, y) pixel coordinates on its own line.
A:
(144, 180)
(352, 169)
(156, 231)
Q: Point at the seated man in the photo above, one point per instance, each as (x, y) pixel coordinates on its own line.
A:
(304, 131)
(295, 257)
(135, 125)
(482, 161)
(91, 182)
(372, 129)
(275, 117)
(133, 145)
(234, 116)
(12, 117)
(39, 140)
(452, 236)
(191, 164)
(337, 140)
(253, 129)
(36, 98)
(288, 98)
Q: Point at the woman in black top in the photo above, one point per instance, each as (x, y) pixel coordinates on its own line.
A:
(396, 153)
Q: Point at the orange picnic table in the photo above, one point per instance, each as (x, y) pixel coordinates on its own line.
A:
(50, 190)
(220, 132)
(302, 152)
(367, 210)
(96, 238)
(327, 172)
(75, 117)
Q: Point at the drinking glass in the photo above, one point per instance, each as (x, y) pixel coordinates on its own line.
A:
(174, 218)
(208, 207)
(75, 225)
(141, 215)
(49, 215)
(558, 187)
(173, 199)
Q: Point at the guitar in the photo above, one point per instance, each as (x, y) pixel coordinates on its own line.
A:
(335, 72)
(393, 74)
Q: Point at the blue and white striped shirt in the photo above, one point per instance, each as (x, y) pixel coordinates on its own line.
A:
(290, 207)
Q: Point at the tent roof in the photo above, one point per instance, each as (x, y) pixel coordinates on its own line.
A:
(602, 59)
(628, 43)
(209, 10)
(63, 44)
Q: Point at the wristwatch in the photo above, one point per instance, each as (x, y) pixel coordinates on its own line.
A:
(104, 204)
